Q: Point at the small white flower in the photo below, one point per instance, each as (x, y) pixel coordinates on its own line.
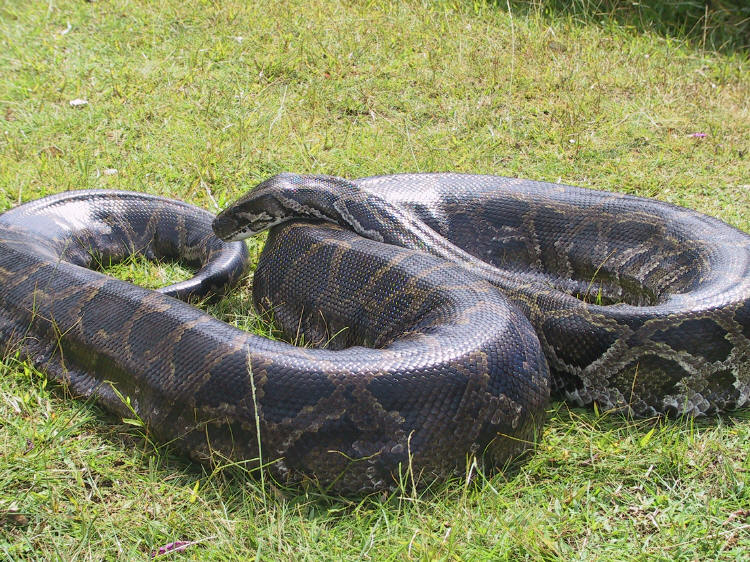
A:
(78, 102)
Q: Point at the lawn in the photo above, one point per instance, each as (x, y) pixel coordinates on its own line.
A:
(200, 100)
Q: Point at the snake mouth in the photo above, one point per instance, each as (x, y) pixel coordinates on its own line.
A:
(238, 235)
(231, 229)
(226, 227)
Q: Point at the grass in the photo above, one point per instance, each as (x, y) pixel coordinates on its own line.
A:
(199, 101)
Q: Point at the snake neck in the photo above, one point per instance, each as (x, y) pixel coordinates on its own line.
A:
(288, 197)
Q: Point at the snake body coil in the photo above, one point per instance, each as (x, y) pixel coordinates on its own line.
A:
(638, 304)
(635, 304)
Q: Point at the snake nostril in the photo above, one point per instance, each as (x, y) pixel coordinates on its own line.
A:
(224, 226)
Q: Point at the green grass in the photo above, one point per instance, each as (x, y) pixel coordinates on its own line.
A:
(200, 100)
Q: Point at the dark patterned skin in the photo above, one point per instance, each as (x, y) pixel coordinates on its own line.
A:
(453, 371)
(638, 304)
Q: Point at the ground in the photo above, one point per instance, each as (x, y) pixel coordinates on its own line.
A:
(201, 100)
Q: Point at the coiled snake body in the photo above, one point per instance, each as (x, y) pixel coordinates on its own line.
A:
(634, 303)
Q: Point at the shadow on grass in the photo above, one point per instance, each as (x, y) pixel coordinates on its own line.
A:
(717, 25)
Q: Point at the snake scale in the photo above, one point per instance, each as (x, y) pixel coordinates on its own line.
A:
(422, 363)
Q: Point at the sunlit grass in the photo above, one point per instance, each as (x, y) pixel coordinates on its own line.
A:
(200, 100)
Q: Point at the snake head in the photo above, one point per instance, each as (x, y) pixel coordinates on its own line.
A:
(281, 198)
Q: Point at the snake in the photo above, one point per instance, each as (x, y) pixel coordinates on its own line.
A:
(442, 312)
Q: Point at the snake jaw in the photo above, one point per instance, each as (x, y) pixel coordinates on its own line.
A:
(271, 202)
(252, 214)
(281, 198)
(244, 225)
(225, 226)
